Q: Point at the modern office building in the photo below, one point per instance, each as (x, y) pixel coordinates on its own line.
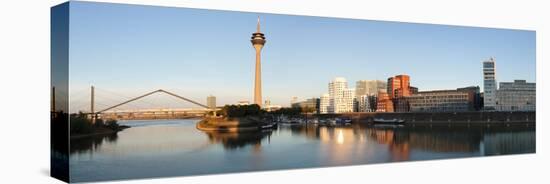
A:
(349, 101)
(211, 102)
(398, 86)
(310, 105)
(267, 102)
(318, 105)
(384, 103)
(267, 106)
(478, 98)
(516, 96)
(336, 87)
(324, 104)
(270, 107)
(489, 84)
(413, 90)
(401, 104)
(293, 100)
(373, 101)
(336, 92)
(369, 87)
(341, 99)
(366, 103)
(459, 100)
(366, 93)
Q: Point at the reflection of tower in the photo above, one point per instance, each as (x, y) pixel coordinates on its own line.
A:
(258, 41)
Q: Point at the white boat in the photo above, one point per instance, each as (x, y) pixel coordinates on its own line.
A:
(388, 121)
(331, 122)
(296, 121)
(268, 126)
(315, 121)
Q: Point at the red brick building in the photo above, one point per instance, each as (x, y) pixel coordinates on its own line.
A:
(399, 86)
(385, 104)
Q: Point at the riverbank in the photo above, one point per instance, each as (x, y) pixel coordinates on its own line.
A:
(444, 118)
(99, 131)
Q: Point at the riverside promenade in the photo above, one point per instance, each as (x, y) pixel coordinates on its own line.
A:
(445, 118)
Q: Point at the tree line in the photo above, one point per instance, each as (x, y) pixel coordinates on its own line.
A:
(255, 110)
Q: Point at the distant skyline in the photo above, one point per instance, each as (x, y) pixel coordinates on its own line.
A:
(133, 49)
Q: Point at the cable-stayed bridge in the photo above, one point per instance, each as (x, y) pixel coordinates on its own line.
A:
(111, 105)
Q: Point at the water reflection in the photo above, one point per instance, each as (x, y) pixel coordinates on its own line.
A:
(91, 143)
(233, 140)
(176, 148)
(508, 142)
(401, 140)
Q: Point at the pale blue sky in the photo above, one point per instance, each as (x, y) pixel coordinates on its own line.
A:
(131, 49)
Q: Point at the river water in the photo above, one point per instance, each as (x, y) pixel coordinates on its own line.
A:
(162, 148)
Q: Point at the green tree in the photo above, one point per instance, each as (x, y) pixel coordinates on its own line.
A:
(241, 110)
(80, 124)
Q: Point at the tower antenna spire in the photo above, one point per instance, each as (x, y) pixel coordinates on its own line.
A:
(258, 26)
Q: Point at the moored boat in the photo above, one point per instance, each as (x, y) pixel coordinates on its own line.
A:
(268, 126)
(388, 121)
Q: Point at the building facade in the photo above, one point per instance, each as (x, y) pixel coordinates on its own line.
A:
(324, 104)
(516, 96)
(384, 103)
(267, 102)
(211, 102)
(309, 105)
(336, 93)
(489, 84)
(459, 100)
(366, 103)
(398, 86)
(413, 90)
(293, 100)
(350, 103)
(478, 98)
(373, 101)
(270, 107)
(369, 87)
(341, 99)
(401, 104)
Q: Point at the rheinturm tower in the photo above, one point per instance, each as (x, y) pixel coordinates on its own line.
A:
(258, 41)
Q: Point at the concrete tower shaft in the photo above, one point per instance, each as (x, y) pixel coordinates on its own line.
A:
(258, 41)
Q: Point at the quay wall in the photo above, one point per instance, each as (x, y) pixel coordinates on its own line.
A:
(129, 116)
(444, 118)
